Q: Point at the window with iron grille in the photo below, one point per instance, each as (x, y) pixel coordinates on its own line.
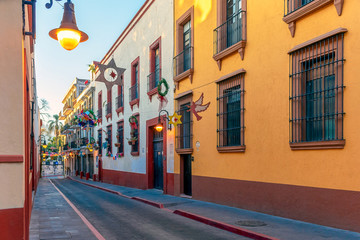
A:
(293, 5)
(120, 137)
(135, 147)
(184, 130)
(316, 92)
(230, 116)
(100, 141)
(109, 139)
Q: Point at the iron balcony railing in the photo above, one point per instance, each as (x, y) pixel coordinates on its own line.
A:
(184, 136)
(134, 92)
(73, 145)
(291, 6)
(66, 147)
(108, 108)
(184, 61)
(154, 79)
(83, 141)
(230, 32)
(99, 113)
(119, 101)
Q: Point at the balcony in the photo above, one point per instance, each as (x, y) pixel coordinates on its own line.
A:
(229, 37)
(73, 145)
(99, 113)
(119, 101)
(66, 147)
(108, 108)
(134, 95)
(67, 110)
(184, 135)
(184, 64)
(83, 141)
(153, 81)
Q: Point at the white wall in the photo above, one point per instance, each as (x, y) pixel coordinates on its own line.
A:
(156, 22)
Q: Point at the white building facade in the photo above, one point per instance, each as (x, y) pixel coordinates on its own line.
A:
(135, 155)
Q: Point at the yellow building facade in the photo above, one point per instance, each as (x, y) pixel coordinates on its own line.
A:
(281, 131)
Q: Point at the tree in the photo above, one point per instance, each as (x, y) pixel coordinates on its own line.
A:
(44, 107)
(55, 125)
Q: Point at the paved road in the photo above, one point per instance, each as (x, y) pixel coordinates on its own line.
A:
(117, 217)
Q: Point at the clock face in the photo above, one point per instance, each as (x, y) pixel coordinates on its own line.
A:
(110, 74)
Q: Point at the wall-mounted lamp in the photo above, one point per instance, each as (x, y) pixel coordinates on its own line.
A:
(159, 127)
(68, 34)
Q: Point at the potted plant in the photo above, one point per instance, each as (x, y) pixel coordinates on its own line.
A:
(120, 154)
(117, 144)
(132, 140)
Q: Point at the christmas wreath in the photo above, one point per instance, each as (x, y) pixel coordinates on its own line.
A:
(132, 120)
(163, 82)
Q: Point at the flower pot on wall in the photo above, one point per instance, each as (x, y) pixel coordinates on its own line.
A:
(117, 144)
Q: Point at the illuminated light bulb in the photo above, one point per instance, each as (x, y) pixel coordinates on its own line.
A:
(68, 38)
(159, 127)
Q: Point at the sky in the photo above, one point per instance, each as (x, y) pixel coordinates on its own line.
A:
(56, 68)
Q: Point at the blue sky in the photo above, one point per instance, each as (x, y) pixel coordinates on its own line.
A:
(56, 67)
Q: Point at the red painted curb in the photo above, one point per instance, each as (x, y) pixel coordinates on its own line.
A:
(225, 226)
(155, 204)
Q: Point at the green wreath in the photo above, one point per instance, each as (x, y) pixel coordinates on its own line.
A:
(163, 94)
(131, 118)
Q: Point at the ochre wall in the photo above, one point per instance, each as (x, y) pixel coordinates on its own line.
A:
(268, 157)
(11, 103)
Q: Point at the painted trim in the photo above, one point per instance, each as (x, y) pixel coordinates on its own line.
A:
(339, 144)
(183, 94)
(11, 158)
(231, 149)
(12, 223)
(156, 44)
(150, 124)
(317, 39)
(225, 77)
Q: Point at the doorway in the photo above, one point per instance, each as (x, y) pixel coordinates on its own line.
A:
(158, 159)
(187, 183)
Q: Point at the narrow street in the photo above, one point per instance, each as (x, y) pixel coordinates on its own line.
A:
(117, 217)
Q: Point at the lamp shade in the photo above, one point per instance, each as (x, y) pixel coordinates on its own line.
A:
(68, 34)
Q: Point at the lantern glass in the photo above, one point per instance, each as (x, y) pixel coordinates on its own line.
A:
(68, 38)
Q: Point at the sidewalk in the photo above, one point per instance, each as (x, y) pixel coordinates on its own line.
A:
(276, 227)
(53, 218)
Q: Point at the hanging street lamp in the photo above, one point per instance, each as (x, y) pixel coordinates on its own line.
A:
(68, 34)
(159, 126)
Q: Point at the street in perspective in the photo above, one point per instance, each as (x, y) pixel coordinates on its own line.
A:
(179, 119)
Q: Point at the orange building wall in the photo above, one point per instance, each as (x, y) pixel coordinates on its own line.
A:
(268, 157)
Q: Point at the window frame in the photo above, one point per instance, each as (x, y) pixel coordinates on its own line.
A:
(181, 99)
(239, 47)
(136, 153)
(109, 145)
(180, 22)
(152, 66)
(330, 43)
(120, 94)
(223, 84)
(120, 124)
(134, 77)
(291, 16)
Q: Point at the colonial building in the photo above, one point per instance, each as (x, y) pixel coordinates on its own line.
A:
(78, 155)
(20, 124)
(131, 152)
(265, 83)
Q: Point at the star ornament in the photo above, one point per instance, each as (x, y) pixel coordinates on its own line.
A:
(110, 74)
(175, 119)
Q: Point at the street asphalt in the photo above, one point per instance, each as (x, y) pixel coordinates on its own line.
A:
(116, 217)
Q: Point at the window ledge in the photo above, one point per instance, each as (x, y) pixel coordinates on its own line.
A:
(134, 102)
(337, 144)
(183, 75)
(231, 149)
(120, 110)
(184, 150)
(108, 116)
(134, 153)
(152, 92)
(291, 18)
(239, 47)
